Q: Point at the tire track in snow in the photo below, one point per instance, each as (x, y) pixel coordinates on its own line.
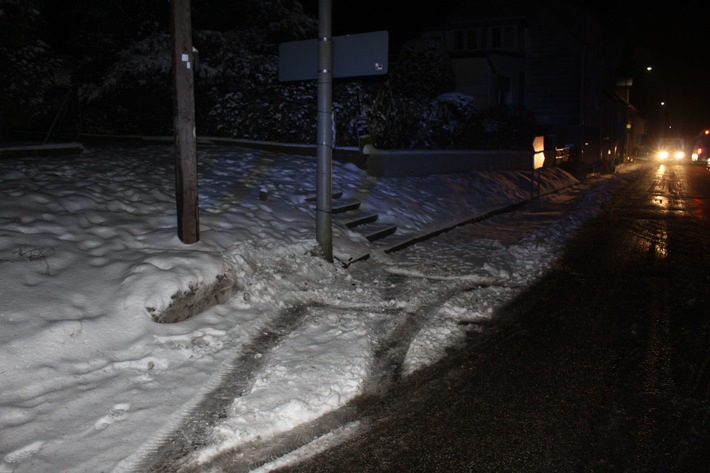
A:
(171, 451)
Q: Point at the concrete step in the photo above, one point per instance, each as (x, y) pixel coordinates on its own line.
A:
(347, 212)
(339, 204)
(376, 231)
(334, 194)
(345, 205)
(355, 219)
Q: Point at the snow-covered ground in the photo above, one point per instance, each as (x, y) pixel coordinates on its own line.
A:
(90, 258)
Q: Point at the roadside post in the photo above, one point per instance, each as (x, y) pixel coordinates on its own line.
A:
(538, 162)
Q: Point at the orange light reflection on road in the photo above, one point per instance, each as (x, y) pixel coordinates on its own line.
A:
(698, 206)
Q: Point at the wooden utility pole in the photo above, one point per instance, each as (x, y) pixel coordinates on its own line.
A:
(188, 217)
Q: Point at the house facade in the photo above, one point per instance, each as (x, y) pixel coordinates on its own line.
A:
(546, 57)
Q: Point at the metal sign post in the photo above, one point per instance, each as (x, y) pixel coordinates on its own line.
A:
(324, 201)
(324, 59)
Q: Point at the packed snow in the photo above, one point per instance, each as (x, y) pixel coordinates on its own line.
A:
(116, 334)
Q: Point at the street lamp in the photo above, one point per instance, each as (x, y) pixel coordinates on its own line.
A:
(664, 118)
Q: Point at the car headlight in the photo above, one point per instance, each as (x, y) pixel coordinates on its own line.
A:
(679, 155)
(663, 154)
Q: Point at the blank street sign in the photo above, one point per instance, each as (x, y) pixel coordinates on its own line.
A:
(363, 54)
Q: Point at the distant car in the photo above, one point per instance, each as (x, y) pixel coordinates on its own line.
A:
(671, 148)
(701, 148)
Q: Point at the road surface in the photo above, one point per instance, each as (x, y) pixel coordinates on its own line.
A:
(602, 365)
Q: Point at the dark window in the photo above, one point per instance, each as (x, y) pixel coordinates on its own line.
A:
(504, 90)
(503, 37)
(473, 39)
(459, 41)
(496, 38)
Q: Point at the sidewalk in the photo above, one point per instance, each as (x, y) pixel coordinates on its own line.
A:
(47, 149)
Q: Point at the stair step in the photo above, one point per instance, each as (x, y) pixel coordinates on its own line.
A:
(377, 231)
(344, 206)
(334, 194)
(352, 221)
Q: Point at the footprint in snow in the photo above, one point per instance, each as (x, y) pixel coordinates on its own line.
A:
(21, 454)
(117, 412)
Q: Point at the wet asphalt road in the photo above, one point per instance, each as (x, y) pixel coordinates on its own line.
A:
(603, 365)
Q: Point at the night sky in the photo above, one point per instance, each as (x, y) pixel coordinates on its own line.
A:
(402, 19)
